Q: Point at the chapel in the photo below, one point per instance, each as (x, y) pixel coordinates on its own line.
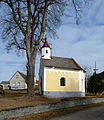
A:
(60, 76)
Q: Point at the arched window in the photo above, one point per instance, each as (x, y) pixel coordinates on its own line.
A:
(14, 84)
(62, 81)
(46, 51)
(18, 83)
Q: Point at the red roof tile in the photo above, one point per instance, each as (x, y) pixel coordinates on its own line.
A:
(45, 43)
(37, 82)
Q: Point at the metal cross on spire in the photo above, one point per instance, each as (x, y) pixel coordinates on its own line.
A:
(95, 69)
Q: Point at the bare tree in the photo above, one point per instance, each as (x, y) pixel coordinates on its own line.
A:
(88, 73)
(77, 7)
(24, 24)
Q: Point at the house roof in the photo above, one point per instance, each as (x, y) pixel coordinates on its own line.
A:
(63, 63)
(37, 82)
(46, 43)
(5, 82)
(23, 75)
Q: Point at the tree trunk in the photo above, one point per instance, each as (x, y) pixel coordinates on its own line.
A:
(30, 79)
(31, 72)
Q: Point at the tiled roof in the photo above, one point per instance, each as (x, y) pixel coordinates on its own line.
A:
(37, 82)
(63, 63)
(45, 43)
(5, 82)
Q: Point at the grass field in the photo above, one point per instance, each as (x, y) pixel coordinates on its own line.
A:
(17, 98)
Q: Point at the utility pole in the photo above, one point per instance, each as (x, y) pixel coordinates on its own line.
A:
(95, 69)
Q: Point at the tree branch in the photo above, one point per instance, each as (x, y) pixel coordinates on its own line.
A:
(14, 16)
(19, 13)
(76, 11)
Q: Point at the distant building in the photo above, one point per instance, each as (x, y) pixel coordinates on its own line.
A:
(5, 84)
(60, 77)
(17, 81)
(37, 82)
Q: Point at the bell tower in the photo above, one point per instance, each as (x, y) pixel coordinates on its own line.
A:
(46, 53)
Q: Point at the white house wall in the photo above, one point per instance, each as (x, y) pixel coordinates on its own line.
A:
(5, 86)
(17, 82)
(44, 54)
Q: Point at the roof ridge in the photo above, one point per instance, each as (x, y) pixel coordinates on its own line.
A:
(63, 57)
(21, 72)
(4, 82)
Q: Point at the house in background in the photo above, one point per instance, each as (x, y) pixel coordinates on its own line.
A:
(36, 82)
(60, 77)
(18, 81)
(5, 84)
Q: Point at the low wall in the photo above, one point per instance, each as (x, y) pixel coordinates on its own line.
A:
(49, 107)
(53, 94)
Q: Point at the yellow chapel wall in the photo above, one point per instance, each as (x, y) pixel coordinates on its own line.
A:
(52, 82)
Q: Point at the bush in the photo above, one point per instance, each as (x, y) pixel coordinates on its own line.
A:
(95, 84)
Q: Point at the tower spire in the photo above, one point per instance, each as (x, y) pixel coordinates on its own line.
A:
(46, 50)
(46, 43)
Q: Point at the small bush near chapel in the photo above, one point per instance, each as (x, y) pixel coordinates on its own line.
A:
(95, 84)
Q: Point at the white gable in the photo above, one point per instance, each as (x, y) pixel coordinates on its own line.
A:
(18, 82)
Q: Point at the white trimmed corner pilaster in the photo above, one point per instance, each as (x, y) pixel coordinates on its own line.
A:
(84, 83)
(79, 80)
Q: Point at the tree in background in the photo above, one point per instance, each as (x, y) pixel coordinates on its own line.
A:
(24, 23)
(95, 84)
(88, 74)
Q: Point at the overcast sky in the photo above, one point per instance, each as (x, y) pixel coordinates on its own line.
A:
(84, 43)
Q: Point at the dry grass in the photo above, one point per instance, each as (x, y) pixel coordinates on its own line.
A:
(56, 113)
(16, 99)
